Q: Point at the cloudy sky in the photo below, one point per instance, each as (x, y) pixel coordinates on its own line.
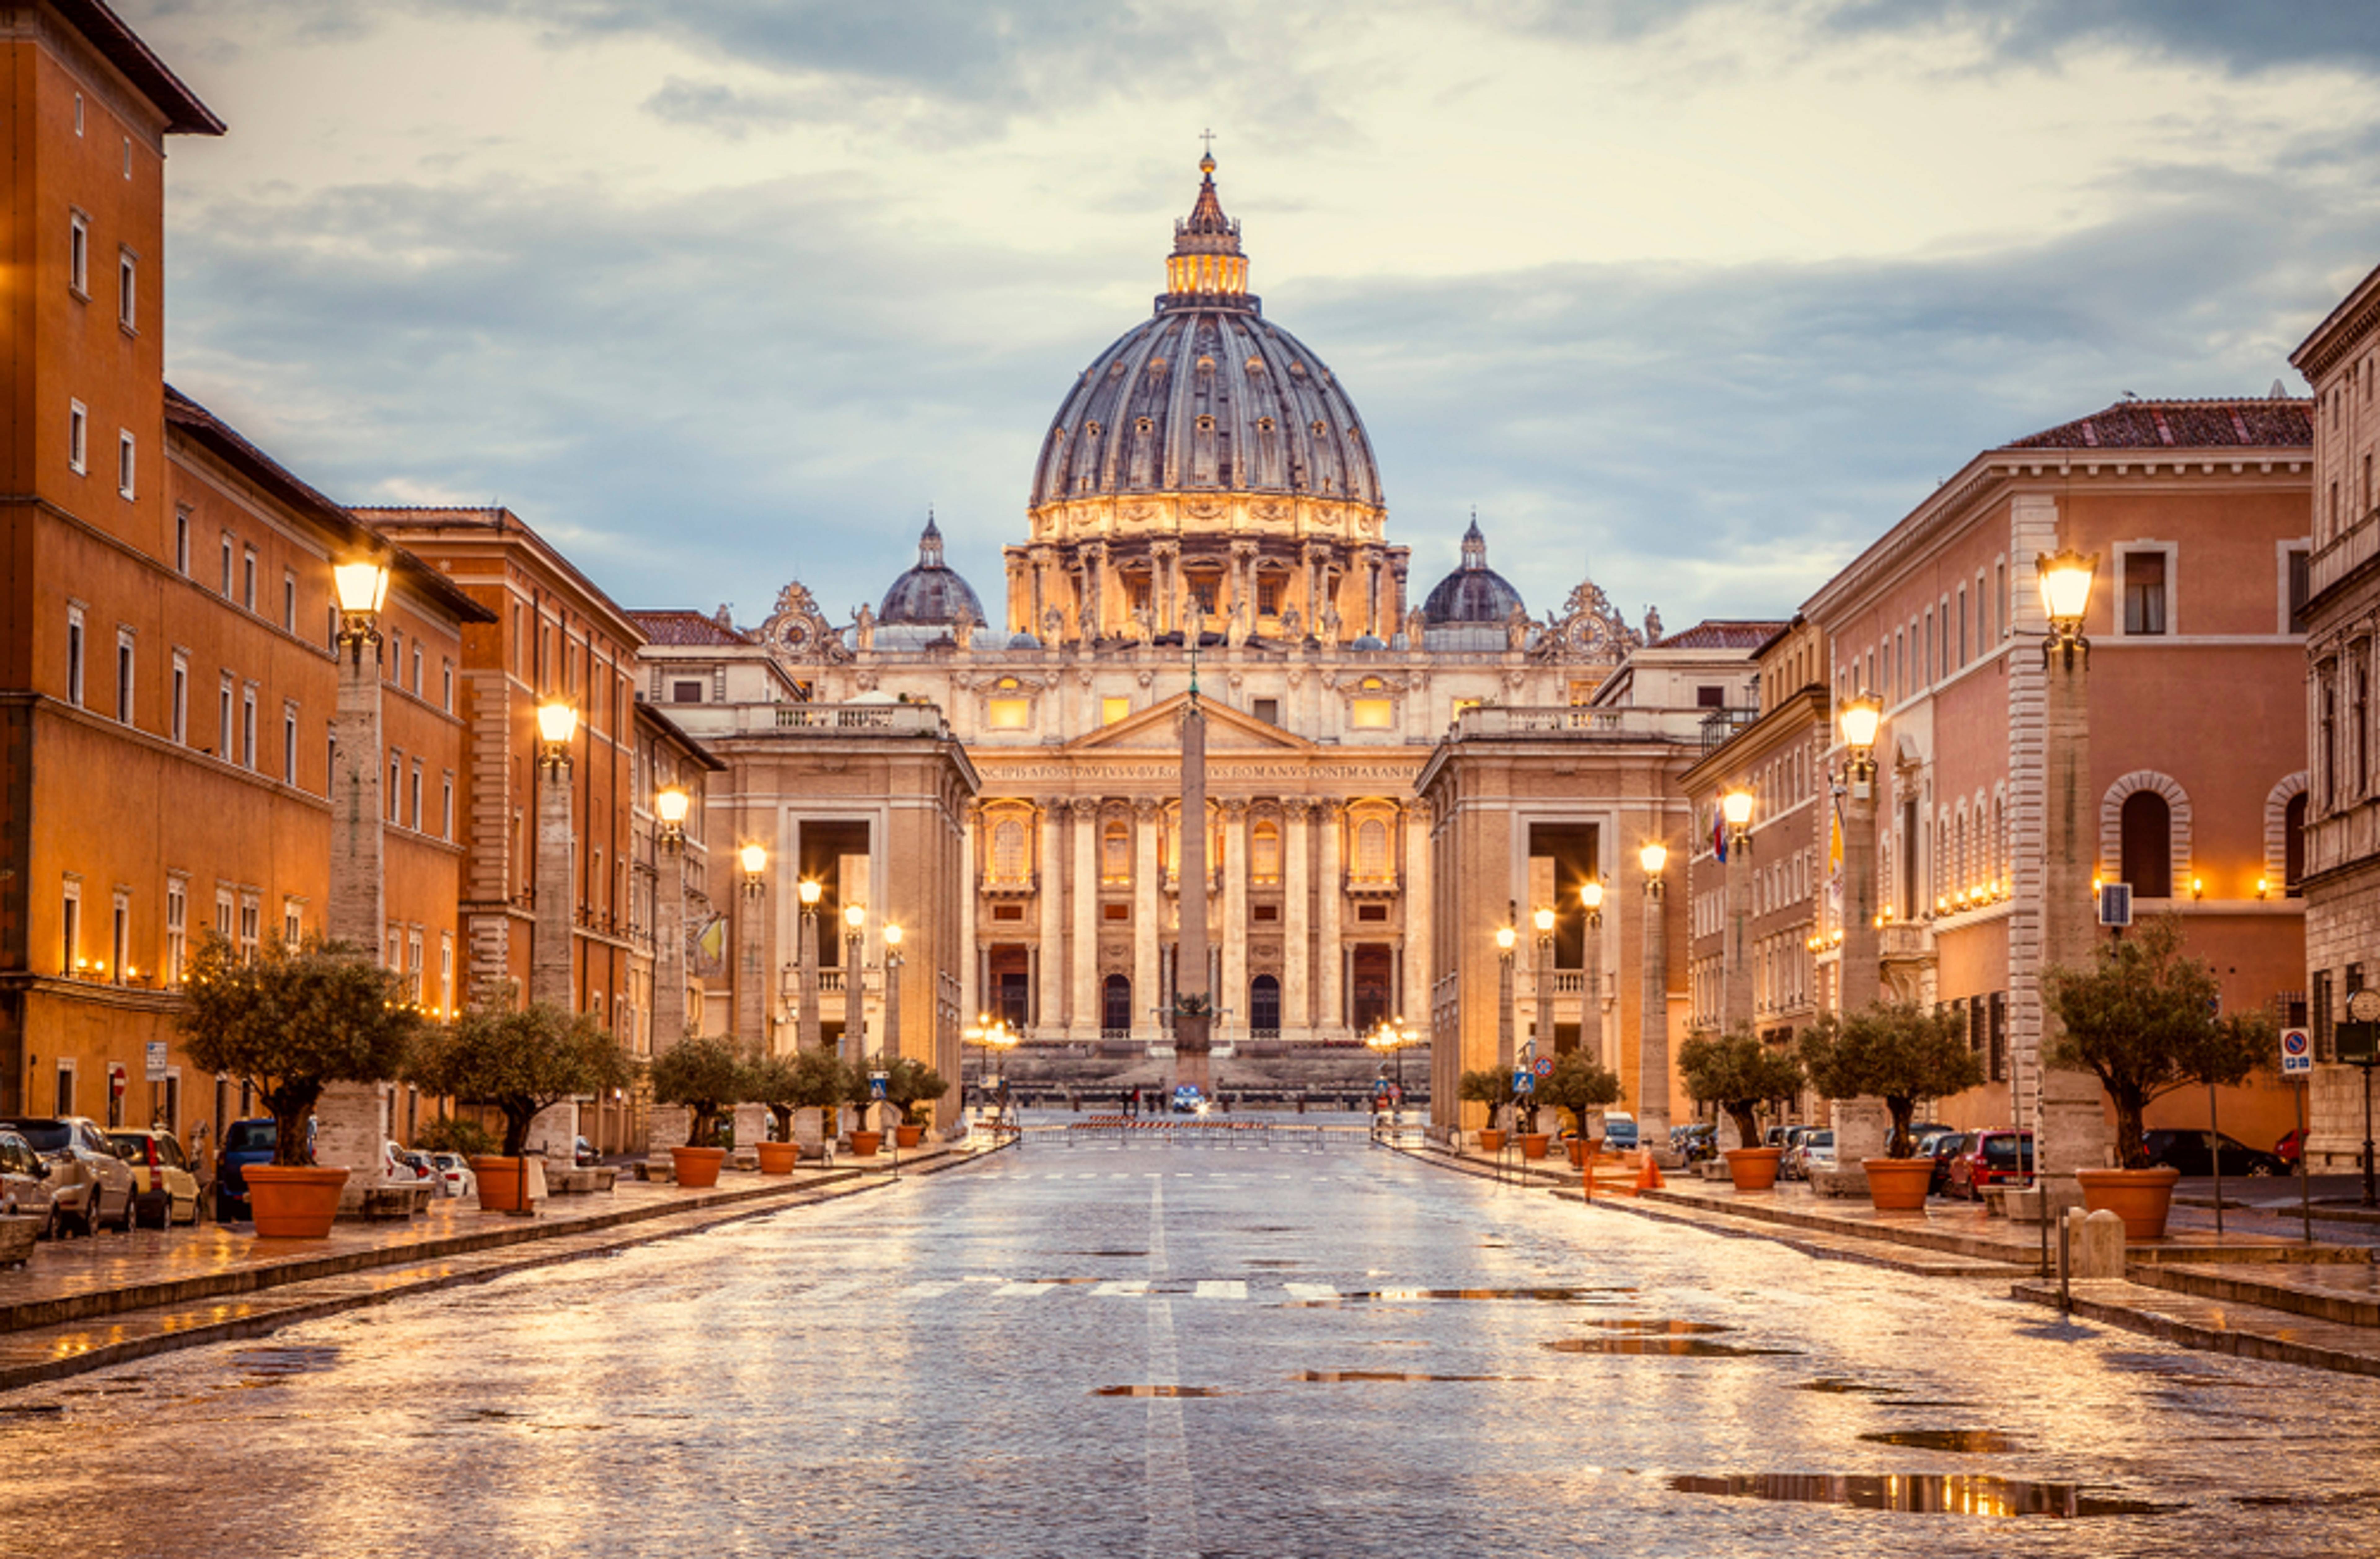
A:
(1698, 295)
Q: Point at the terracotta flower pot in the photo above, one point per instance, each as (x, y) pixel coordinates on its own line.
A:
(698, 1167)
(777, 1158)
(500, 1183)
(1534, 1143)
(1577, 1146)
(865, 1143)
(1898, 1185)
(294, 1201)
(908, 1136)
(1491, 1141)
(1753, 1169)
(2140, 1196)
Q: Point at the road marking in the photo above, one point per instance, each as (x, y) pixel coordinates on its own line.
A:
(1122, 1289)
(927, 1290)
(1311, 1291)
(1022, 1290)
(1231, 1290)
(1172, 1508)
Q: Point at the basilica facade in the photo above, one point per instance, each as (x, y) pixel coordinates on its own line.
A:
(1204, 506)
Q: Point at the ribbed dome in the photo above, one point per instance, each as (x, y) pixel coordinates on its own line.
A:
(1207, 396)
(1474, 593)
(933, 593)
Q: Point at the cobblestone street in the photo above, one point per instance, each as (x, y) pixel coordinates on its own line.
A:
(1174, 1350)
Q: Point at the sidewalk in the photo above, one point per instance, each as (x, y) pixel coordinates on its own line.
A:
(85, 1304)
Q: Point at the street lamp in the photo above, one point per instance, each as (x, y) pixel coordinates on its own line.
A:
(670, 805)
(855, 985)
(2066, 578)
(1653, 1023)
(1507, 937)
(1541, 1029)
(557, 723)
(1388, 1037)
(1735, 990)
(1590, 897)
(990, 1034)
(892, 961)
(806, 1035)
(1858, 980)
(350, 1133)
(754, 860)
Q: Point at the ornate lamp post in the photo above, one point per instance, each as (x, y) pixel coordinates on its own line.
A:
(1857, 978)
(551, 965)
(348, 1131)
(2069, 1126)
(1542, 1029)
(1508, 936)
(670, 806)
(1653, 1023)
(806, 1037)
(752, 971)
(855, 985)
(1590, 1028)
(990, 1034)
(892, 961)
(1735, 992)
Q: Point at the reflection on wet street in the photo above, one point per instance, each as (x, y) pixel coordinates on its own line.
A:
(1240, 1350)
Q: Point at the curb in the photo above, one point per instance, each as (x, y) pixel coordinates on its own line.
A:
(2276, 1348)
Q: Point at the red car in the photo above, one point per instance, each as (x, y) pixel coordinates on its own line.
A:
(1988, 1159)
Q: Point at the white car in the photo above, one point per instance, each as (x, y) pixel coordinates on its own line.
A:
(454, 1176)
(403, 1166)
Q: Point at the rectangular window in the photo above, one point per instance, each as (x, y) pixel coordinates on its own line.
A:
(128, 465)
(446, 686)
(78, 114)
(127, 289)
(2144, 592)
(289, 744)
(248, 728)
(224, 720)
(686, 692)
(414, 803)
(119, 938)
(71, 928)
(248, 578)
(1372, 714)
(124, 676)
(178, 930)
(251, 927)
(446, 807)
(78, 438)
(1962, 626)
(293, 921)
(78, 254)
(2295, 588)
(181, 715)
(445, 973)
(396, 791)
(289, 601)
(1008, 714)
(1113, 709)
(74, 656)
(182, 542)
(416, 670)
(228, 552)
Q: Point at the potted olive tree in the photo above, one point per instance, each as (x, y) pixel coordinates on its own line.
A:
(1901, 1052)
(709, 1077)
(290, 1022)
(859, 1092)
(811, 1079)
(1578, 1085)
(909, 1084)
(1492, 1087)
(518, 1062)
(2144, 1018)
(1740, 1074)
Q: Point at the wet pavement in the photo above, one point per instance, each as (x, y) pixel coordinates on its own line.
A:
(1223, 1350)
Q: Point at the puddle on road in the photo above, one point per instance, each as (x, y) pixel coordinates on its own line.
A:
(1272, 1263)
(1922, 1492)
(1346, 1377)
(1161, 1391)
(1660, 1328)
(1106, 1255)
(1673, 1347)
(1835, 1386)
(1401, 1295)
(285, 1361)
(1966, 1442)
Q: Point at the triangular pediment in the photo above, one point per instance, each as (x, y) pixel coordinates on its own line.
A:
(1159, 729)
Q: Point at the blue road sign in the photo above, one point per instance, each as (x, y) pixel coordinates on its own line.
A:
(1524, 1081)
(2297, 1051)
(876, 1085)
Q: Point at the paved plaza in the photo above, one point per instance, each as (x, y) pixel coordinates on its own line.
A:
(1284, 1349)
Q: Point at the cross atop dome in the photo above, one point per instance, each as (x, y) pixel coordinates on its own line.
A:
(1206, 269)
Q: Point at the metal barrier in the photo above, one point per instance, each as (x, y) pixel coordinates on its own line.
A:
(1202, 1130)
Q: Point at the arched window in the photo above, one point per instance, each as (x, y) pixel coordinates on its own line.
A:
(2293, 844)
(1008, 852)
(2148, 845)
(1372, 850)
(1115, 851)
(1264, 1006)
(1115, 1005)
(1264, 853)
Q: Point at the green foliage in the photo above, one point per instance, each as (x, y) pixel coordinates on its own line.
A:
(709, 1076)
(1739, 1074)
(1578, 1085)
(518, 1062)
(1490, 1085)
(293, 1021)
(1898, 1051)
(811, 1079)
(910, 1083)
(2143, 1018)
(452, 1134)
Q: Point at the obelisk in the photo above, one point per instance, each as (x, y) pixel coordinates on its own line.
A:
(1194, 1000)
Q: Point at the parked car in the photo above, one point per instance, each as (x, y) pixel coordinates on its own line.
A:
(584, 1154)
(24, 1180)
(1919, 1131)
(1188, 1100)
(1619, 1131)
(1942, 1147)
(1815, 1149)
(164, 1191)
(1988, 1159)
(245, 1143)
(1786, 1164)
(454, 1176)
(90, 1186)
(400, 1165)
(1696, 1141)
(2194, 1152)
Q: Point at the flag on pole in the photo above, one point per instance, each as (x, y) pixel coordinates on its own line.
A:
(1719, 833)
(1835, 862)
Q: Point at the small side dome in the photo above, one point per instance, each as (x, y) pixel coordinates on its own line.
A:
(932, 594)
(1473, 593)
(1367, 642)
(1024, 642)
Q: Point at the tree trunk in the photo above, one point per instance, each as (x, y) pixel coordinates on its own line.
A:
(1747, 1123)
(1898, 1145)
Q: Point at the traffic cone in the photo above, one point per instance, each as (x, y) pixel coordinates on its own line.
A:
(1649, 1178)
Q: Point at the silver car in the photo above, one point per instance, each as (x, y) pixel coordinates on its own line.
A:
(24, 1180)
(90, 1186)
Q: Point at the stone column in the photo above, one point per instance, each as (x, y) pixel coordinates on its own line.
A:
(1736, 984)
(550, 947)
(1590, 1012)
(1234, 993)
(752, 963)
(1415, 896)
(1146, 819)
(1049, 985)
(1083, 955)
(347, 1130)
(2073, 1131)
(1862, 1126)
(665, 1124)
(1653, 1027)
(1329, 1021)
(971, 996)
(1296, 895)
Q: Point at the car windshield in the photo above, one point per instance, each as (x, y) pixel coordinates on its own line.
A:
(249, 1136)
(130, 1146)
(2000, 1152)
(47, 1137)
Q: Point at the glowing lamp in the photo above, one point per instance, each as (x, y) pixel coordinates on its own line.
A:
(1736, 806)
(1505, 937)
(1859, 719)
(809, 892)
(1590, 894)
(670, 806)
(892, 936)
(754, 860)
(361, 586)
(557, 722)
(2065, 588)
(1653, 857)
(855, 916)
(1545, 918)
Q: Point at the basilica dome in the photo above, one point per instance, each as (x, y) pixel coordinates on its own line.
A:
(1207, 396)
(932, 594)
(1473, 593)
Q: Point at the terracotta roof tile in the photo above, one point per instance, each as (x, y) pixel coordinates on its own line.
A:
(686, 629)
(1722, 633)
(2184, 424)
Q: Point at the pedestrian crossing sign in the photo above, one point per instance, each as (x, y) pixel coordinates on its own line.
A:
(1524, 1080)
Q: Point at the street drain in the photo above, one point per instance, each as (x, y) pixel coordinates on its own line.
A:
(1967, 1442)
(1924, 1492)
(1160, 1391)
(1345, 1377)
(1659, 1328)
(1674, 1347)
(1834, 1386)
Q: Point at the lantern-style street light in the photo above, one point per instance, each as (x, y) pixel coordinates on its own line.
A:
(1858, 979)
(670, 805)
(1590, 898)
(2066, 578)
(1735, 980)
(806, 1033)
(348, 1132)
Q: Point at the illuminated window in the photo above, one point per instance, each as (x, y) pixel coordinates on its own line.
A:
(1114, 709)
(1115, 852)
(1372, 712)
(1462, 704)
(1010, 709)
(1264, 852)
